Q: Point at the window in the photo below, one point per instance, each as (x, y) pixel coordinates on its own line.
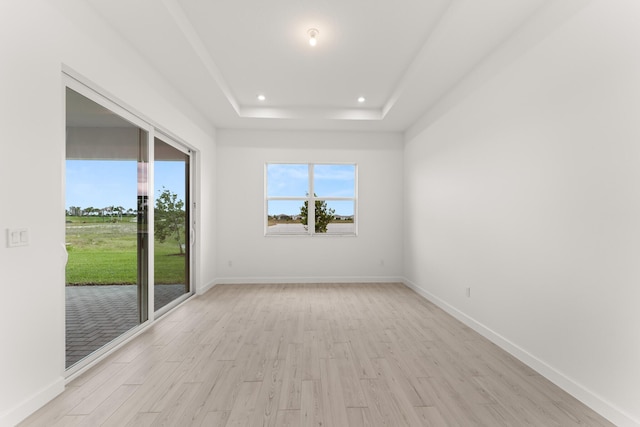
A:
(297, 195)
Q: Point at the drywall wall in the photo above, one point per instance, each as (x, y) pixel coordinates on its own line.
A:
(528, 193)
(37, 40)
(375, 254)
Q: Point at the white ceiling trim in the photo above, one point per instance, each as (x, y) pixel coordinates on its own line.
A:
(413, 68)
(311, 113)
(366, 114)
(537, 27)
(177, 14)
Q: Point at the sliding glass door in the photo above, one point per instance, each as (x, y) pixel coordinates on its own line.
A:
(172, 232)
(106, 226)
(129, 228)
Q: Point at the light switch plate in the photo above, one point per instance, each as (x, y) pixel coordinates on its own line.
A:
(17, 237)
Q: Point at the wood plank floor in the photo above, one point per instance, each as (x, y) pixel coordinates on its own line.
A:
(311, 354)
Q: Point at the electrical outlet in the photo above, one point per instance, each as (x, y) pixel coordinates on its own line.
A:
(468, 292)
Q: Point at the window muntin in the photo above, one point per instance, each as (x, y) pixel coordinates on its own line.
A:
(322, 194)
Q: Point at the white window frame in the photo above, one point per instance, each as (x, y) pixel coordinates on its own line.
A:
(311, 199)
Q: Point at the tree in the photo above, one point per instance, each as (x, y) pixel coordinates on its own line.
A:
(74, 211)
(169, 217)
(324, 215)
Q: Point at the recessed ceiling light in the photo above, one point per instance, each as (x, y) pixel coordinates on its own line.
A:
(361, 99)
(313, 34)
(261, 97)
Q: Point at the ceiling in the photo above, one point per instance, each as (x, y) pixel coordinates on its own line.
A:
(402, 56)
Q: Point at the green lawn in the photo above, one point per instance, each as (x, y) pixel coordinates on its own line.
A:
(103, 253)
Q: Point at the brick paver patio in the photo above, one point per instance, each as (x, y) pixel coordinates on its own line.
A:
(96, 315)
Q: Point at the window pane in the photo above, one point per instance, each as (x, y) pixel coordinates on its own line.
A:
(343, 217)
(334, 180)
(171, 231)
(284, 217)
(288, 180)
(106, 226)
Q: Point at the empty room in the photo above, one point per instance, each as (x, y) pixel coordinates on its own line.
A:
(330, 213)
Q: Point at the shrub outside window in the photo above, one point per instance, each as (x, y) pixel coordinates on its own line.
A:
(311, 199)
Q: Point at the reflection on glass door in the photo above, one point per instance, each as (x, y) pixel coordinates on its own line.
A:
(106, 226)
(172, 248)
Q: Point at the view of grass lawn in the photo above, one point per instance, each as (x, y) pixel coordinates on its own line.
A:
(103, 251)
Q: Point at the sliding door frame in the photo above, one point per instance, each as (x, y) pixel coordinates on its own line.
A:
(190, 213)
(75, 81)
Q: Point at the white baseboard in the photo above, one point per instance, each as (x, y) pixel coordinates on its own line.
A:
(313, 279)
(17, 414)
(592, 400)
(203, 290)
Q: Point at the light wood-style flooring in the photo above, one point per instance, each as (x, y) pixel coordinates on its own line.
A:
(311, 354)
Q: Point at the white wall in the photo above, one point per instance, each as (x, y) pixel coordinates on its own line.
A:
(36, 39)
(528, 192)
(240, 230)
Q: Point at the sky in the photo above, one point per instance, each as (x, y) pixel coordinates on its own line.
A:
(292, 180)
(102, 183)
